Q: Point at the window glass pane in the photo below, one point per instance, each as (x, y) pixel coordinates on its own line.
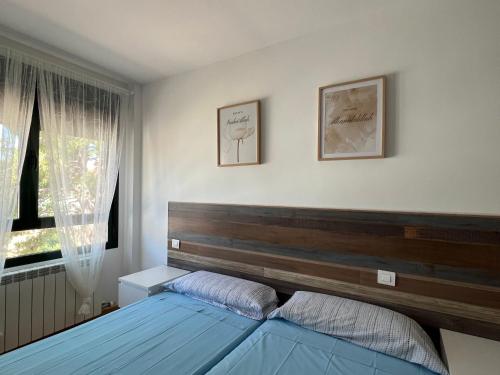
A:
(44, 199)
(81, 156)
(36, 241)
(16, 212)
(9, 150)
(32, 242)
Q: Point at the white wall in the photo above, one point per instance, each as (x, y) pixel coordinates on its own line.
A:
(442, 59)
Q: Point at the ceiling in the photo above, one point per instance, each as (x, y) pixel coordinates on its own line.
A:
(151, 39)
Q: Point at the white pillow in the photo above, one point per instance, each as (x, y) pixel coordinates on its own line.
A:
(366, 325)
(244, 297)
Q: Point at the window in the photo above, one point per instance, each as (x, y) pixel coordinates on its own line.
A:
(34, 237)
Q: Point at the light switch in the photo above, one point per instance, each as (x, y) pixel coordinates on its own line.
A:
(386, 278)
(176, 244)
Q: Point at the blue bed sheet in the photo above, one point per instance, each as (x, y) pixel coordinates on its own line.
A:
(164, 334)
(281, 347)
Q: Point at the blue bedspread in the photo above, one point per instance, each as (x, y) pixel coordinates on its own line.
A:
(281, 347)
(165, 334)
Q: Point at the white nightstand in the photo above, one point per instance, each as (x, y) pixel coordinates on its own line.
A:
(468, 355)
(136, 286)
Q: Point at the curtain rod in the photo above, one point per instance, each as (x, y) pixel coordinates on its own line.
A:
(88, 76)
(63, 64)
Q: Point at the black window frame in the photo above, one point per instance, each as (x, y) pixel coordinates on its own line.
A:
(28, 201)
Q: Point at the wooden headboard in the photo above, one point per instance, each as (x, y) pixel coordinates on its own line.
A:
(448, 266)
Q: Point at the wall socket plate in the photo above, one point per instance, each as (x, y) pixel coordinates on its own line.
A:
(386, 277)
(176, 244)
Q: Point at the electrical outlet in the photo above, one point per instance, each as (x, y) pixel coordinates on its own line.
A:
(176, 244)
(386, 278)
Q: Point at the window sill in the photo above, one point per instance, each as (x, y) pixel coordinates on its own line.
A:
(32, 267)
(36, 266)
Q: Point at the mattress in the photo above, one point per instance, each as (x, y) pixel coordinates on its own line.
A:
(281, 347)
(164, 334)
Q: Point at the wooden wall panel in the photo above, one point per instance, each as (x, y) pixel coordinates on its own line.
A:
(449, 264)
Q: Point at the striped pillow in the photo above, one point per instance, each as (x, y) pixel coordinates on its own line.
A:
(244, 297)
(366, 325)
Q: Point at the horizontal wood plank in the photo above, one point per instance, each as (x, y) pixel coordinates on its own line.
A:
(435, 220)
(425, 251)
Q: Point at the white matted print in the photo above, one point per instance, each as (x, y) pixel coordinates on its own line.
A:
(238, 134)
(352, 120)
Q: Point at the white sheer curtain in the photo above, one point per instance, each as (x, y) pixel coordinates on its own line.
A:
(17, 94)
(80, 126)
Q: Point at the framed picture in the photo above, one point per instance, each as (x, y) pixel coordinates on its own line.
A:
(351, 120)
(238, 134)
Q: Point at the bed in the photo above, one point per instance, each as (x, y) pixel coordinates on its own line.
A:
(168, 333)
(212, 322)
(281, 347)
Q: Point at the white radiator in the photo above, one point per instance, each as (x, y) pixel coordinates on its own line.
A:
(37, 303)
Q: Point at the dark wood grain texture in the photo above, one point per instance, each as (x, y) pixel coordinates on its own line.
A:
(448, 266)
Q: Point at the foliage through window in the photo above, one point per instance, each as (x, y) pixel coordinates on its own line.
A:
(34, 237)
